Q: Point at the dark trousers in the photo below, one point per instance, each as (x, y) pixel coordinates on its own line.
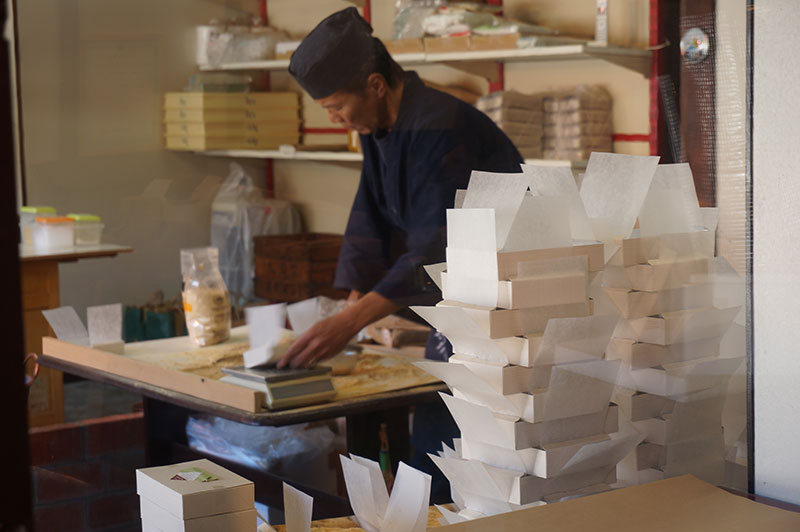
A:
(433, 425)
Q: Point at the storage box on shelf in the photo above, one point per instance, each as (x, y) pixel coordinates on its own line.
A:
(226, 121)
(296, 267)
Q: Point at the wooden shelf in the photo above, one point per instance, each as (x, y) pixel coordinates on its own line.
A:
(335, 156)
(345, 156)
(632, 58)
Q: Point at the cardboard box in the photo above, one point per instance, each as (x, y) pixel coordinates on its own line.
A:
(527, 489)
(684, 325)
(494, 42)
(544, 290)
(529, 406)
(232, 129)
(231, 100)
(640, 406)
(633, 304)
(543, 462)
(160, 519)
(190, 499)
(501, 323)
(508, 262)
(405, 46)
(685, 377)
(641, 355)
(663, 274)
(504, 378)
(231, 115)
(437, 45)
(201, 143)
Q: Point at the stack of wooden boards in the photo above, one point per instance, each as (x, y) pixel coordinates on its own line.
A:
(228, 121)
(567, 124)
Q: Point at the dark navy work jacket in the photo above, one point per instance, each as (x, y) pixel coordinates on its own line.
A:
(409, 179)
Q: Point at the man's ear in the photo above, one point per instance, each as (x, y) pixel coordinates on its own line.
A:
(377, 84)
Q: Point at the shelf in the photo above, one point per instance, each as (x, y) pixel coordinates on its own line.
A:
(340, 156)
(345, 156)
(631, 58)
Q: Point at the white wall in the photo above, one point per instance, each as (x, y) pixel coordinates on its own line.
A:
(776, 253)
(92, 73)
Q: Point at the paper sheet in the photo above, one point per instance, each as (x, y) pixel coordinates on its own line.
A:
(458, 202)
(265, 323)
(501, 192)
(606, 453)
(303, 315)
(552, 181)
(297, 507)
(67, 325)
(613, 192)
(671, 204)
(104, 323)
(472, 386)
(359, 492)
(474, 484)
(482, 290)
(541, 222)
(583, 388)
(408, 506)
(472, 229)
(434, 271)
(380, 494)
(568, 340)
(477, 422)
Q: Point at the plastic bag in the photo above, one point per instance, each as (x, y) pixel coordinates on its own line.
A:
(271, 449)
(205, 297)
(240, 212)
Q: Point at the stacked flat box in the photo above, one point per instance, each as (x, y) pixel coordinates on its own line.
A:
(576, 123)
(196, 496)
(531, 388)
(674, 380)
(519, 116)
(227, 121)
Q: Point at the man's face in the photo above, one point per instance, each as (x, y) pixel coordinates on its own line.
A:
(354, 110)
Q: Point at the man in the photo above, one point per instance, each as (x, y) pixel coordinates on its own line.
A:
(420, 146)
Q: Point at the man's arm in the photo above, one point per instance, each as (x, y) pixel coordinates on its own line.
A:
(330, 336)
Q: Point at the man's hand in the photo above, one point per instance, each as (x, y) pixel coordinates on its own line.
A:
(324, 340)
(330, 336)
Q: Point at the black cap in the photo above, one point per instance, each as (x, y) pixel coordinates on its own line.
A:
(332, 54)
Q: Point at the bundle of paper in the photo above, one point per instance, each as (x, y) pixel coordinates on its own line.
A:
(211, 121)
(677, 304)
(531, 386)
(196, 495)
(519, 116)
(577, 122)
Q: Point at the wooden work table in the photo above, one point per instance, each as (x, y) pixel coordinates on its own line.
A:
(40, 291)
(171, 396)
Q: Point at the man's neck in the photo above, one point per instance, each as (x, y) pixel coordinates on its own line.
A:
(392, 106)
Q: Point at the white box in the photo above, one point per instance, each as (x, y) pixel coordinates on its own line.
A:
(684, 325)
(504, 378)
(189, 499)
(641, 355)
(161, 519)
(664, 274)
(641, 406)
(502, 323)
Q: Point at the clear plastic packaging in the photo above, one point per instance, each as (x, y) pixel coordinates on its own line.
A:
(88, 229)
(205, 297)
(56, 232)
(27, 218)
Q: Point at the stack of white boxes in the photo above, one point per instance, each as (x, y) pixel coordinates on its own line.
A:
(531, 388)
(576, 123)
(196, 496)
(228, 121)
(675, 377)
(519, 116)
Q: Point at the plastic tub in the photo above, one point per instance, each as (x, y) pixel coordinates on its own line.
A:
(27, 217)
(88, 229)
(56, 232)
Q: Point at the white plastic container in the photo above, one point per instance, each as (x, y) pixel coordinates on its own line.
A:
(50, 233)
(88, 229)
(27, 217)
